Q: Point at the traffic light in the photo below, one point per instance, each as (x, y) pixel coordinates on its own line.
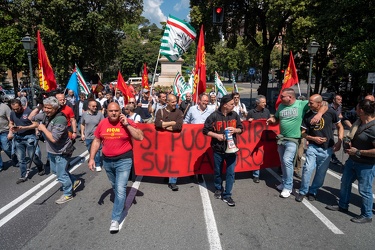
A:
(218, 15)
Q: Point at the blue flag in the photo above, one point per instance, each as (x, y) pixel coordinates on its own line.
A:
(73, 84)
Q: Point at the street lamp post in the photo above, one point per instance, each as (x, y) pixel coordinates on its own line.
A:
(312, 48)
(28, 44)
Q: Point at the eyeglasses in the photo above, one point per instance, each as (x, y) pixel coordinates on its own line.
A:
(132, 102)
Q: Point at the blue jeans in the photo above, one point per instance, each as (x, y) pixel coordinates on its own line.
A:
(316, 157)
(26, 144)
(256, 173)
(58, 165)
(230, 160)
(172, 180)
(287, 151)
(118, 174)
(97, 156)
(364, 173)
(5, 146)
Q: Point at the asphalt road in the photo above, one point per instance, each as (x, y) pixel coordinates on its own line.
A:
(158, 218)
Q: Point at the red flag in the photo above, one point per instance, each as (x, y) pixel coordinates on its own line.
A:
(47, 79)
(145, 77)
(200, 68)
(121, 85)
(290, 78)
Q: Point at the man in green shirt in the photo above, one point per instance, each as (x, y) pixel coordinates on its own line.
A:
(289, 115)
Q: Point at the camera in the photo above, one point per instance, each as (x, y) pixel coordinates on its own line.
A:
(346, 143)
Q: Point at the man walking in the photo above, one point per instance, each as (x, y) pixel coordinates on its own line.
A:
(4, 131)
(170, 119)
(289, 114)
(259, 112)
(320, 148)
(223, 121)
(115, 134)
(89, 123)
(25, 140)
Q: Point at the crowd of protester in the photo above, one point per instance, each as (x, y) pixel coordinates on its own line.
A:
(106, 123)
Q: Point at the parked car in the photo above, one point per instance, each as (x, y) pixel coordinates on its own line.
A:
(6, 95)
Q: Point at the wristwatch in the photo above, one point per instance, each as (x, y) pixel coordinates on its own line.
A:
(358, 153)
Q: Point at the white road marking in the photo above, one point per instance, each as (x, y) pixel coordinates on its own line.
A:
(313, 209)
(211, 227)
(34, 198)
(36, 187)
(339, 177)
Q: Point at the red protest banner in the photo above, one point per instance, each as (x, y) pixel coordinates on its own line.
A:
(167, 154)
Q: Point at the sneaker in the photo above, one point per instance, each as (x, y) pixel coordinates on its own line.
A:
(76, 184)
(22, 179)
(280, 187)
(256, 179)
(1, 169)
(311, 197)
(361, 219)
(173, 186)
(98, 169)
(229, 201)
(114, 228)
(63, 199)
(41, 172)
(285, 193)
(217, 194)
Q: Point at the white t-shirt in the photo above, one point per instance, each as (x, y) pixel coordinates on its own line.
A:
(135, 117)
(101, 101)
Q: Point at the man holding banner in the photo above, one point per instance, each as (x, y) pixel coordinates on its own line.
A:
(221, 125)
(170, 119)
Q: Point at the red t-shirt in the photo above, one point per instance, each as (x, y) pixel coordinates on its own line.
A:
(115, 137)
(68, 112)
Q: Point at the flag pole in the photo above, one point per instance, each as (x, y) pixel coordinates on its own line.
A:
(153, 77)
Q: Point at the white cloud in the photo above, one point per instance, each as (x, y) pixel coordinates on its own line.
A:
(152, 11)
(181, 5)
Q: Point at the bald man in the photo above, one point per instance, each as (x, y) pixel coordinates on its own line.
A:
(320, 149)
(115, 133)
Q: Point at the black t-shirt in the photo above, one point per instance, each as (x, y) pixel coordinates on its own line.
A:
(145, 114)
(323, 128)
(22, 119)
(364, 139)
(258, 114)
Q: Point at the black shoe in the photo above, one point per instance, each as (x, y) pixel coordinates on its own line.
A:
(336, 208)
(173, 186)
(256, 179)
(1, 169)
(229, 201)
(217, 194)
(311, 197)
(200, 178)
(299, 197)
(361, 219)
(22, 179)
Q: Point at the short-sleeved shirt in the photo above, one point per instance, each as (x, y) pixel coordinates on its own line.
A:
(22, 120)
(91, 121)
(364, 139)
(4, 117)
(58, 126)
(258, 114)
(144, 107)
(115, 137)
(290, 118)
(324, 128)
(68, 112)
(197, 116)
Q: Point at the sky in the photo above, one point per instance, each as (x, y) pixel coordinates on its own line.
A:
(158, 10)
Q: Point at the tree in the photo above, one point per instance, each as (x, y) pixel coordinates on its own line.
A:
(247, 18)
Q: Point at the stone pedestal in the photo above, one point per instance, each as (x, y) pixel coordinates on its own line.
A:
(168, 71)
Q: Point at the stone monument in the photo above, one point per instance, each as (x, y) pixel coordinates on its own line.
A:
(168, 71)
